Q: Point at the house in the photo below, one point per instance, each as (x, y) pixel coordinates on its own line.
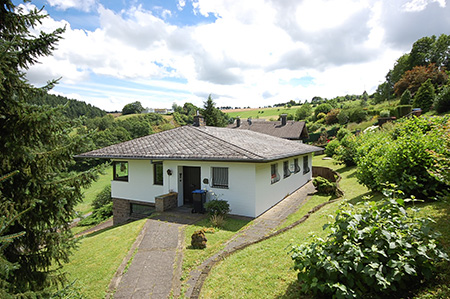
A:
(287, 129)
(252, 171)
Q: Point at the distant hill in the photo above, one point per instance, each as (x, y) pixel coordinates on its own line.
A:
(72, 108)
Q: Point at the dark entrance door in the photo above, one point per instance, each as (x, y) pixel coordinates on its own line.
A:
(191, 182)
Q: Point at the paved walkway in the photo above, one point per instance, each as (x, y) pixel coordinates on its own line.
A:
(155, 270)
(156, 266)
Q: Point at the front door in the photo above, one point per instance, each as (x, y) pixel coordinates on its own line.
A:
(191, 182)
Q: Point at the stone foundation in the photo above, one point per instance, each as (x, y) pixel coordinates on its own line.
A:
(122, 210)
(166, 201)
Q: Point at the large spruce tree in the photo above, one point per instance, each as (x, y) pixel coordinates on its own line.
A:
(39, 144)
(213, 116)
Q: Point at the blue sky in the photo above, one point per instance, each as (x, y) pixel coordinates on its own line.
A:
(245, 53)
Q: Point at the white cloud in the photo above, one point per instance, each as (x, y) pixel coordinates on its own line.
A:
(84, 5)
(246, 57)
(181, 4)
(419, 5)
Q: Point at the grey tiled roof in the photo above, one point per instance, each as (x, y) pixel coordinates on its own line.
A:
(291, 130)
(205, 143)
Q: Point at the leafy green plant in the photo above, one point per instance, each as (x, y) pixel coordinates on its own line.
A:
(217, 207)
(102, 205)
(331, 147)
(401, 154)
(324, 186)
(373, 250)
(345, 153)
(442, 101)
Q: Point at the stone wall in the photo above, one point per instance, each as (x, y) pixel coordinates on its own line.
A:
(326, 172)
(166, 201)
(121, 210)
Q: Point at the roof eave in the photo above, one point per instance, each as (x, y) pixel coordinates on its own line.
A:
(216, 159)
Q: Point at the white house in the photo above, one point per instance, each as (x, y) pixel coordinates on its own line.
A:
(252, 171)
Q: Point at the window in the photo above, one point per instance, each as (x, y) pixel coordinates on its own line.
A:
(274, 176)
(220, 177)
(305, 165)
(158, 173)
(141, 209)
(120, 171)
(286, 171)
(296, 166)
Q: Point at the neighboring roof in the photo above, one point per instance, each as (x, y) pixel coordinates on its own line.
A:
(204, 143)
(294, 130)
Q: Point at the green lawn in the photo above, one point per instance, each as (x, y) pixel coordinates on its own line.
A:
(95, 188)
(99, 255)
(194, 257)
(264, 270)
(263, 113)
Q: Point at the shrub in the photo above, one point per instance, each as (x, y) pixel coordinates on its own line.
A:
(424, 97)
(331, 117)
(405, 99)
(372, 251)
(345, 153)
(331, 147)
(321, 116)
(403, 110)
(342, 133)
(357, 115)
(442, 101)
(103, 208)
(343, 117)
(322, 108)
(103, 198)
(401, 154)
(324, 186)
(385, 113)
(217, 207)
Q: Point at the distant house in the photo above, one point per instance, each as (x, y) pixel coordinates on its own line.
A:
(158, 110)
(287, 129)
(252, 171)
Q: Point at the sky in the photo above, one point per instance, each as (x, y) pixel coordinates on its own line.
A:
(243, 53)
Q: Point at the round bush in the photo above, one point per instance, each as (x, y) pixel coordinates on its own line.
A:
(372, 251)
(217, 207)
(331, 147)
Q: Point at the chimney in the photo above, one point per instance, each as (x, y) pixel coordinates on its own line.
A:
(283, 119)
(238, 122)
(199, 121)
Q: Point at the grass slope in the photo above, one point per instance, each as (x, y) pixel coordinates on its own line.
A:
(98, 256)
(195, 257)
(264, 270)
(95, 188)
(263, 113)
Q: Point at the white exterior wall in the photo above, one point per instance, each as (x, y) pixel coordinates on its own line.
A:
(250, 192)
(140, 183)
(240, 193)
(268, 194)
(241, 180)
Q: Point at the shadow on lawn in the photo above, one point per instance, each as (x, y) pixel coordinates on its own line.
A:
(293, 291)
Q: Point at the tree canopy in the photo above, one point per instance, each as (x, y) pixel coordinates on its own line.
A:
(132, 108)
(213, 116)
